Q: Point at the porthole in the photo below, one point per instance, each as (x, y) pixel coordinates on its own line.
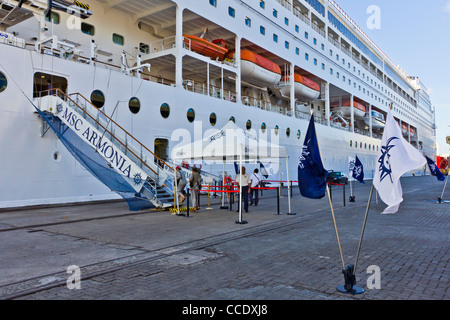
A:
(213, 119)
(360, 145)
(3, 82)
(288, 132)
(356, 144)
(232, 119)
(57, 156)
(248, 125)
(164, 110)
(299, 134)
(134, 104)
(190, 115)
(351, 143)
(263, 127)
(98, 98)
(276, 129)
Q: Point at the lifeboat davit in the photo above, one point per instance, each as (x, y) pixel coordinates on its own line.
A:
(345, 110)
(215, 49)
(257, 70)
(305, 89)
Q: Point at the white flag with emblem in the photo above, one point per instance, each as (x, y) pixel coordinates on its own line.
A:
(396, 157)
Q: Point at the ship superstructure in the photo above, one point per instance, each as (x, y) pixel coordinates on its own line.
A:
(158, 66)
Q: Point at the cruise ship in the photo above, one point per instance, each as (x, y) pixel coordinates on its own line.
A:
(133, 72)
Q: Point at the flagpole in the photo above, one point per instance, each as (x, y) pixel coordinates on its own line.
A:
(331, 205)
(363, 229)
(445, 186)
(335, 227)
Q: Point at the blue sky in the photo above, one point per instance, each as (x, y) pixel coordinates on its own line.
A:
(415, 35)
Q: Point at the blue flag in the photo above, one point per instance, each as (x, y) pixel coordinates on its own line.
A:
(434, 170)
(236, 168)
(312, 176)
(263, 170)
(358, 171)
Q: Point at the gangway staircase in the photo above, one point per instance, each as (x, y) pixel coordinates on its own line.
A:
(108, 151)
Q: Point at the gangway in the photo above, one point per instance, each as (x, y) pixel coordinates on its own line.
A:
(108, 151)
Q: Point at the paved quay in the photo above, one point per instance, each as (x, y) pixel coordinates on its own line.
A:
(159, 256)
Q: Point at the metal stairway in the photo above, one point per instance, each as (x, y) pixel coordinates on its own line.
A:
(147, 177)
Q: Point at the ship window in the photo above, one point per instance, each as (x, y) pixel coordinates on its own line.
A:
(286, 44)
(286, 21)
(262, 30)
(351, 143)
(213, 3)
(306, 35)
(3, 82)
(87, 28)
(190, 115)
(297, 51)
(262, 4)
(248, 22)
(276, 129)
(213, 119)
(356, 144)
(315, 61)
(297, 28)
(231, 12)
(275, 13)
(98, 98)
(232, 119)
(263, 127)
(118, 39)
(144, 48)
(134, 104)
(315, 41)
(164, 110)
(360, 145)
(299, 134)
(54, 18)
(248, 125)
(275, 38)
(288, 132)
(306, 56)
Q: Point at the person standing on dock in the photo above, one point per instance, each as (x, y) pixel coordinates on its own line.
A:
(244, 180)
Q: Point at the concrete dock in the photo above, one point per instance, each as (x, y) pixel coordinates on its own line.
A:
(160, 256)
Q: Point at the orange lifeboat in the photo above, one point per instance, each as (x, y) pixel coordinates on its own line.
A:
(257, 70)
(305, 89)
(216, 49)
(359, 109)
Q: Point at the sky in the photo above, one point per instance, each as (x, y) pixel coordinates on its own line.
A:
(414, 34)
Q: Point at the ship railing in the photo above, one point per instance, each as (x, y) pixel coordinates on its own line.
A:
(345, 50)
(334, 41)
(318, 29)
(157, 169)
(162, 44)
(302, 16)
(209, 90)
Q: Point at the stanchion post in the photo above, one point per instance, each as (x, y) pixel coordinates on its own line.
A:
(343, 195)
(187, 202)
(278, 202)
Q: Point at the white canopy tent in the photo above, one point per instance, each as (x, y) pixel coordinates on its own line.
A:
(232, 144)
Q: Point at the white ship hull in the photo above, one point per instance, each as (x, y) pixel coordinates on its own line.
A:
(37, 178)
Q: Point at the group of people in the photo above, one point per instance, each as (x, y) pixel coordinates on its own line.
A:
(250, 185)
